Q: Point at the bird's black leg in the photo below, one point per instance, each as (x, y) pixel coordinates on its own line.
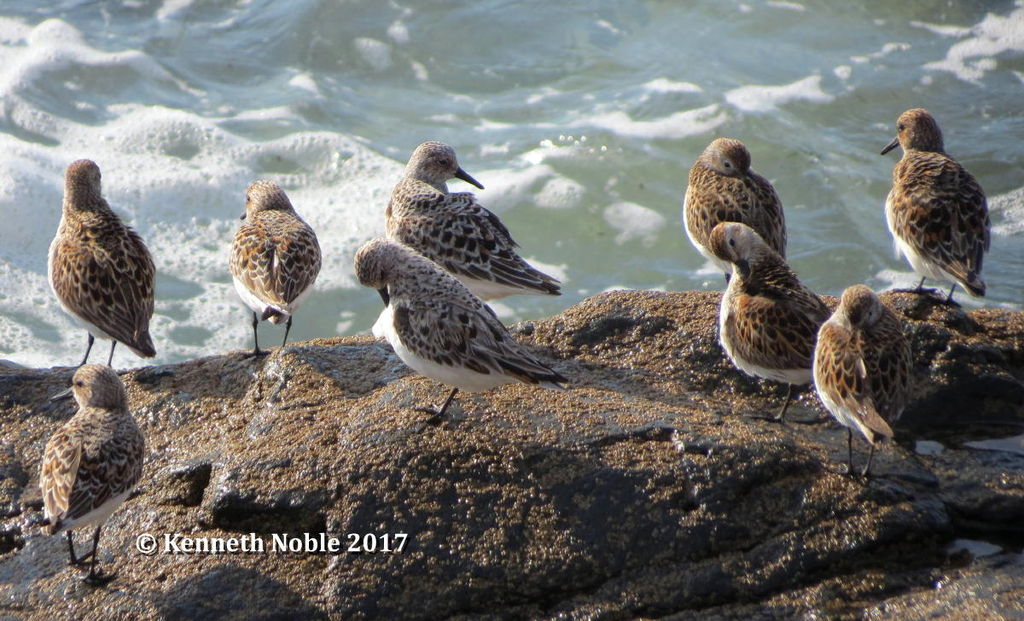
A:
(287, 329)
(110, 358)
(96, 578)
(778, 418)
(73, 559)
(88, 349)
(256, 351)
(447, 402)
(949, 298)
(920, 286)
(867, 467)
(785, 405)
(849, 451)
(437, 415)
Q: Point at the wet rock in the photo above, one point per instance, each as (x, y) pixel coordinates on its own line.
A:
(646, 490)
(184, 484)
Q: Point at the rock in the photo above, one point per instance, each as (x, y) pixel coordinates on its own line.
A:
(647, 489)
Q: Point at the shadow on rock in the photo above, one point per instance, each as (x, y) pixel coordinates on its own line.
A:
(231, 592)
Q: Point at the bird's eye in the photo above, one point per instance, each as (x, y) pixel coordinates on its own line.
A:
(79, 383)
(900, 127)
(727, 164)
(732, 242)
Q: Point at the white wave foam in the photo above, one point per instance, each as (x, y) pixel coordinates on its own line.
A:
(13, 31)
(398, 32)
(665, 85)
(942, 29)
(673, 127)
(560, 193)
(634, 222)
(505, 189)
(179, 180)
(1008, 211)
(789, 6)
(767, 98)
(973, 57)
(305, 82)
(376, 53)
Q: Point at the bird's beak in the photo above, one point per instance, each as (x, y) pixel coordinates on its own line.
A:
(60, 396)
(383, 291)
(892, 145)
(465, 176)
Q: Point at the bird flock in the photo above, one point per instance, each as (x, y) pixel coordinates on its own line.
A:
(444, 255)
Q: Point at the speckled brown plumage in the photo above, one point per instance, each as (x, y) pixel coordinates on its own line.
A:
(936, 211)
(94, 460)
(768, 320)
(100, 269)
(723, 188)
(863, 366)
(455, 231)
(439, 328)
(275, 257)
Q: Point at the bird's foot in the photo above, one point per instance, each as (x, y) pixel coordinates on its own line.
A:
(96, 578)
(774, 418)
(436, 416)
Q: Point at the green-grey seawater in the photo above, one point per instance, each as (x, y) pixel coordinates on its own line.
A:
(580, 118)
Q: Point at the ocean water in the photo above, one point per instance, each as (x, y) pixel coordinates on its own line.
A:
(582, 120)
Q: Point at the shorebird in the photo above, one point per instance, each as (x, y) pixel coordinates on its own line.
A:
(100, 270)
(936, 211)
(440, 329)
(768, 320)
(455, 231)
(862, 368)
(723, 188)
(275, 258)
(92, 463)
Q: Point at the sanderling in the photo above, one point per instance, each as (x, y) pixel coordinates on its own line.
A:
(722, 188)
(100, 269)
(768, 320)
(275, 258)
(92, 463)
(936, 211)
(439, 328)
(455, 231)
(862, 368)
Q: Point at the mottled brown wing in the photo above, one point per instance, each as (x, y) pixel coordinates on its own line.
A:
(768, 218)
(945, 211)
(888, 356)
(109, 284)
(842, 376)
(275, 263)
(465, 238)
(59, 471)
(109, 466)
(298, 262)
(467, 335)
(772, 333)
(751, 200)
